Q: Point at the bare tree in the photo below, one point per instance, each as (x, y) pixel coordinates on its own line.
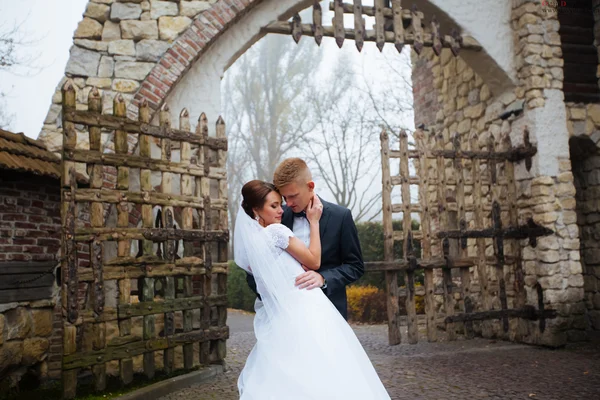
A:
(343, 149)
(266, 96)
(391, 98)
(12, 39)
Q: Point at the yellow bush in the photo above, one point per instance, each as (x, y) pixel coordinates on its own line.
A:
(366, 304)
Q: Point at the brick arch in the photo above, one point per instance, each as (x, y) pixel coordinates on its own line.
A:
(189, 47)
(95, 43)
(213, 23)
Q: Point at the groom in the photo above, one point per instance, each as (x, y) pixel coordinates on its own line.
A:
(341, 256)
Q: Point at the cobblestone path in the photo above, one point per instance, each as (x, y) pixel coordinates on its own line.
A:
(474, 369)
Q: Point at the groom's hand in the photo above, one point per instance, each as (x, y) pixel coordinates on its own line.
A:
(310, 280)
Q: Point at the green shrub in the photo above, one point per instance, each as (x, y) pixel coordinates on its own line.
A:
(370, 235)
(239, 294)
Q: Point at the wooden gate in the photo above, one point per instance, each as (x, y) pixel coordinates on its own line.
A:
(123, 306)
(455, 235)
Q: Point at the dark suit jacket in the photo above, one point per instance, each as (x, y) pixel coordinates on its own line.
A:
(341, 256)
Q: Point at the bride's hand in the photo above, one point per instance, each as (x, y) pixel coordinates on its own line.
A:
(314, 210)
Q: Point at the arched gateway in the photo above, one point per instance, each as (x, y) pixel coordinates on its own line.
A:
(158, 56)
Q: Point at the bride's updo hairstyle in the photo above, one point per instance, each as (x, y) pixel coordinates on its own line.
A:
(255, 194)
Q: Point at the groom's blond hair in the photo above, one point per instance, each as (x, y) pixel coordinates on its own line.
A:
(291, 170)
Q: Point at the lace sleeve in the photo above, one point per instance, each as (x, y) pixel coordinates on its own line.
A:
(280, 235)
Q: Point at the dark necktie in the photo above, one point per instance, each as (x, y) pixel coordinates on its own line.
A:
(301, 214)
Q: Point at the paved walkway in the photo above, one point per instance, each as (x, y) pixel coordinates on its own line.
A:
(474, 369)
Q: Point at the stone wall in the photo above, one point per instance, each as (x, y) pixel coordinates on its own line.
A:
(584, 129)
(30, 226)
(546, 193)
(115, 46)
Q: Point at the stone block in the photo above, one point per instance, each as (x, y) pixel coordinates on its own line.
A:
(171, 27)
(42, 322)
(34, 350)
(88, 29)
(111, 31)
(139, 30)
(574, 294)
(101, 83)
(83, 62)
(122, 47)
(474, 111)
(107, 67)
(549, 256)
(577, 113)
(576, 281)
(1, 329)
(593, 112)
(151, 50)
(193, 8)
(132, 70)
(97, 45)
(125, 85)
(160, 8)
(551, 282)
(11, 353)
(99, 12)
(18, 323)
(124, 11)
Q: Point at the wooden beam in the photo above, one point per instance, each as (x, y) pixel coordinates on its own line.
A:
(90, 118)
(284, 28)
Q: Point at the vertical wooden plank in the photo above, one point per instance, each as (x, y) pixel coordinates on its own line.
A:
(223, 245)
(169, 253)
(497, 224)
(122, 147)
(520, 299)
(435, 36)
(149, 324)
(69, 377)
(296, 28)
(443, 216)
(338, 22)
(69, 208)
(379, 24)
(202, 191)
(398, 25)
(465, 273)
(146, 176)
(424, 155)
(125, 364)
(482, 272)
(146, 285)
(96, 246)
(411, 311)
(69, 132)
(391, 277)
(359, 25)
(169, 328)
(417, 30)
(187, 220)
(317, 26)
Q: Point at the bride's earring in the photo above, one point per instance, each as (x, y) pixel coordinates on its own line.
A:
(257, 218)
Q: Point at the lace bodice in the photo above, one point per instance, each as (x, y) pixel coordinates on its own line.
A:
(279, 237)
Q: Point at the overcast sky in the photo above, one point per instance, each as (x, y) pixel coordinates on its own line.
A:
(49, 24)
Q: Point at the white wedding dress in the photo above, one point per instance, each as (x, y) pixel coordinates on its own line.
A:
(305, 350)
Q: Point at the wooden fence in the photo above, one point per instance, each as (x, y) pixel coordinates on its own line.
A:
(460, 236)
(126, 305)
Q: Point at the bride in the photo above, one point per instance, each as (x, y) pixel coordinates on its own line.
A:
(305, 350)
